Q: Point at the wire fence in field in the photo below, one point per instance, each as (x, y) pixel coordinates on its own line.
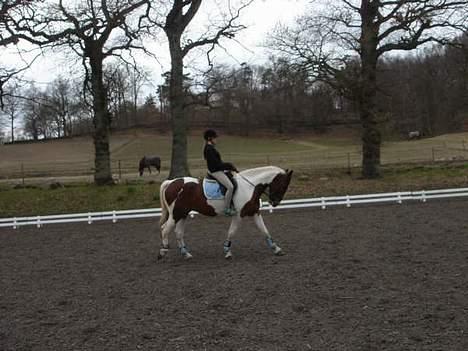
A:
(322, 159)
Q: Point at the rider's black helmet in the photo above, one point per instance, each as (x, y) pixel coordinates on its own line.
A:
(210, 134)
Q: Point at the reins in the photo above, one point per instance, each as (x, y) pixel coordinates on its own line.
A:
(253, 185)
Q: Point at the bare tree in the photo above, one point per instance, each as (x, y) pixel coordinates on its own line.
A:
(138, 78)
(59, 101)
(6, 35)
(274, 95)
(9, 37)
(180, 14)
(37, 117)
(426, 92)
(118, 90)
(12, 110)
(94, 31)
(328, 45)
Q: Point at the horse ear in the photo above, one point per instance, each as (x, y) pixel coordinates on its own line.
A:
(290, 173)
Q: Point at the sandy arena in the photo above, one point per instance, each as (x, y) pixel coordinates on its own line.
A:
(382, 277)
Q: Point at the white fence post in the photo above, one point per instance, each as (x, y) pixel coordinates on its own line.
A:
(322, 202)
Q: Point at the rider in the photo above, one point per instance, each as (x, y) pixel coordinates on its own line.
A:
(216, 168)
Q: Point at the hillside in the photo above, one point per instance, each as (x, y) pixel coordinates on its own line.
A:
(75, 156)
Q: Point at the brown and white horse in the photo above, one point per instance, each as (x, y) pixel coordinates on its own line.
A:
(182, 195)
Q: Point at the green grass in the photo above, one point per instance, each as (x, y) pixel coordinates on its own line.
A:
(76, 198)
(83, 198)
(228, 145)
(319, 162)
(74, 157)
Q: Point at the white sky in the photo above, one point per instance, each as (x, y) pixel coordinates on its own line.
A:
(260, 18)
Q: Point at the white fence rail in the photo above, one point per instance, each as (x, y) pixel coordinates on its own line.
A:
(322, 202)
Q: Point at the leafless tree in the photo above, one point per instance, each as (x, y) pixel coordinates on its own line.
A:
(426, 91)
(12, 110)
(118, 95)
(8, 38)
(137, 79)
(37, 122)
(59, 100)
(180, 15)
(95, 31)
(348, 31)
(274, 96)
(6, 35)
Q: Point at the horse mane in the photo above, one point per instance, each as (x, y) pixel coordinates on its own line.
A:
(253, 173)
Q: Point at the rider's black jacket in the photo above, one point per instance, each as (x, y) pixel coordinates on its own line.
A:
(214, 161)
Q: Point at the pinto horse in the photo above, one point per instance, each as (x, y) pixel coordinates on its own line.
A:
(147, 162)
(182, 195)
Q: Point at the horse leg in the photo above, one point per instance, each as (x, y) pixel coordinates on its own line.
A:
(166, 229)
(149, 169)
(233, 228)
(258, 219)
(179, 230)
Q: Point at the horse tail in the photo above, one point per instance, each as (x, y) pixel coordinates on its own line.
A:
(164, 204)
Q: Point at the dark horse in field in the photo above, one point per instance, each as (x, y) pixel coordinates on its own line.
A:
(147, 162)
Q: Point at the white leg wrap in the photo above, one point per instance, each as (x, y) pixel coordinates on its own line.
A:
(277, 250)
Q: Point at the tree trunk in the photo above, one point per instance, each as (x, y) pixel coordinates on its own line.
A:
(179, 120)
(12, 129)
(135, 103)
(35, 130)
(102, 171)
(371, 137)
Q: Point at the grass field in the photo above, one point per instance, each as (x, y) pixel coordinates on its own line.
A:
(75, 157)
(78, 197)
(320, 162)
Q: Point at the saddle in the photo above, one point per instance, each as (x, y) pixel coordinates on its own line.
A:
(214, 190)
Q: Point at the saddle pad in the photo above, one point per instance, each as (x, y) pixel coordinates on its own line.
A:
(212, 189)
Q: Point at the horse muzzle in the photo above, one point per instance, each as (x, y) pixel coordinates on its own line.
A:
(274, 203)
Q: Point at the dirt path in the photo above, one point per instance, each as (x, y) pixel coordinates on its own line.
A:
(367, 278)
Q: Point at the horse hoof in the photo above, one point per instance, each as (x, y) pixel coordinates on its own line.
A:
(279, 253)
(188, 256)
(162, 252)
(228, 255)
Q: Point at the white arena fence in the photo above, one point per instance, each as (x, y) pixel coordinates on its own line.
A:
(322, 202)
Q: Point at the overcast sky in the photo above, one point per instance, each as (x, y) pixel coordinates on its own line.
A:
(260, 18)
